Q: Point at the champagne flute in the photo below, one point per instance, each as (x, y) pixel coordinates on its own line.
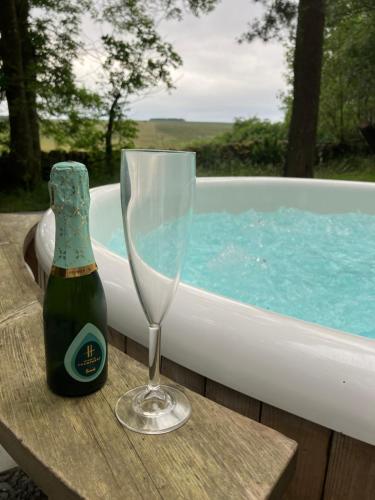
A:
(157, 194)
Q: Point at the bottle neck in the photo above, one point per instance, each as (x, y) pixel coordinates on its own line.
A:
(73, 254)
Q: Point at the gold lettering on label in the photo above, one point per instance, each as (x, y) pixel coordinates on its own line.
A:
(90, 351)
(90, 361)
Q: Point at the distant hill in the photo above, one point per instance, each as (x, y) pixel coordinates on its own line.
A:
(172, 133)
(167, 120)
(167, 133)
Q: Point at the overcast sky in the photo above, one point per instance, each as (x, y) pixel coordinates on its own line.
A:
(220, 79)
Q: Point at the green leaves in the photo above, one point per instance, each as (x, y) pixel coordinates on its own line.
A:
(279, 17)
(134, 59)
(347, 94)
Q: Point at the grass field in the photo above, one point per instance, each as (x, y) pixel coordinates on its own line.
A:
(164, 134)
(356, 169)
(168, 133)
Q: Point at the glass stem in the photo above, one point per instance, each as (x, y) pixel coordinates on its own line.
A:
(154, 357)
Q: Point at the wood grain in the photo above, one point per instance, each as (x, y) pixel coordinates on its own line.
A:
(137, 351)
(17, 291)
(218, 453)
(75, 448)
(313, 450)
(14, 227)
(206, 458)
(116, 339)
(351, 471)
(183, 376)
(232, 399)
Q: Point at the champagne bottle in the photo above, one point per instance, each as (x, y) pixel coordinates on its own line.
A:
(75, 311)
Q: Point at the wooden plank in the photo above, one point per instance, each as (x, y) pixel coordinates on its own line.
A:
(75, 448)
(72, 448)
(116, 339)
(232, 399)
(14, 227)
(59, 441)
(206, 458)
(217, 454)
(16, 289)
(351, 470)
(136, 351)
(183, 376)
(313, 450)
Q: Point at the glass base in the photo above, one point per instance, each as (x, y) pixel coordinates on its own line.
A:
(153, 411)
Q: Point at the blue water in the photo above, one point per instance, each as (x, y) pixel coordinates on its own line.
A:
(319, 268)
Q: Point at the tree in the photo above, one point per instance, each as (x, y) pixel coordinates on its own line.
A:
(136, 59)
(133, 65)
(347, 98)
(39, 43)
(17, 83)
(279, 17)
(37, 49)
(307, 66)
(348, 77)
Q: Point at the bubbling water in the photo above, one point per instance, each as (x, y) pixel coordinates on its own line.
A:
(315, 267)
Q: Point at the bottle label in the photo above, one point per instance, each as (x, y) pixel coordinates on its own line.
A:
(74, 272)
(85, 358)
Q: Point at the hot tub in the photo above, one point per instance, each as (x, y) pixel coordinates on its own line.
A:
(323, 375)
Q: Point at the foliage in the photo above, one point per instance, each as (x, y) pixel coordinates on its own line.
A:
(80, 132)
(303, 21)
(279, 18)
(78, 129)
(347, 95)
(255, 129)
(251, 144)
(4, 135)
(135, 59)
(55, 33)
(237, 156)
(355, 168)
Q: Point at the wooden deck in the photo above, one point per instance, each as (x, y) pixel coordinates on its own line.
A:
(75, 448)
(330, 465)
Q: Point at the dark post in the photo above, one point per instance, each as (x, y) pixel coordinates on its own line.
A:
(368, 132)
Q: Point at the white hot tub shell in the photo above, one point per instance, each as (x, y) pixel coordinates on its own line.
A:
(323, 375)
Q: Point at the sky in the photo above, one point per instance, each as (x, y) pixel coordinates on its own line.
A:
(220, 79)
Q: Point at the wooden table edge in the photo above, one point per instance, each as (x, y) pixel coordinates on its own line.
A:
(47, 478)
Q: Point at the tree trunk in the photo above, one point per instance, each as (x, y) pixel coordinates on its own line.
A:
(24, 147)
(109, 133)
(368, 132)
(308, 57)
(29, 68)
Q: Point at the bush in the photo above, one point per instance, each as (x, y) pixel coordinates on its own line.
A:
(55, 156)
(237, 158)
(330, 151)
(252, 147)
(254, 129)
(94, 162)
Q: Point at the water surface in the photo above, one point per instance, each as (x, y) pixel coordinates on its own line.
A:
(319, 268)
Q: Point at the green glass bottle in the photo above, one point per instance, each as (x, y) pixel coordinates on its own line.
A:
(75, 311)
